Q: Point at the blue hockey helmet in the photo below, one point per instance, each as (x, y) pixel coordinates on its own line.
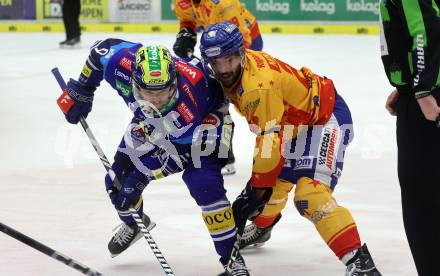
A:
(221, 39)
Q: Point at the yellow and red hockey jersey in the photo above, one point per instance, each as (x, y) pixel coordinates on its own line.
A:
(209, 12)
(271, 95)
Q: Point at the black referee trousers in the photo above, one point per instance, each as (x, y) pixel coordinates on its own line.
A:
(71, 10)
(418, 142)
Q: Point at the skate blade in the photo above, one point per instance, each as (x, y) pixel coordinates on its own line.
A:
(76, 46)
(138, 237)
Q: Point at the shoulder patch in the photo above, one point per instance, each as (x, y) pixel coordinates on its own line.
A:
(193, 74)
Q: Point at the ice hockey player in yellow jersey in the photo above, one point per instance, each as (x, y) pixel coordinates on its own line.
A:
(303, 127)
(195, 14)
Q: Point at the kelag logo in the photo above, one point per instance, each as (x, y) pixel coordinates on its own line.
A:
(363, 6)
(302, 10)
(282, 7)
(318, 6)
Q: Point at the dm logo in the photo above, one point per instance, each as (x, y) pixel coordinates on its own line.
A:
(306, 162)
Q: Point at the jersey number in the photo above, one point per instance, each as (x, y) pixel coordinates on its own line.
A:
(102, 51)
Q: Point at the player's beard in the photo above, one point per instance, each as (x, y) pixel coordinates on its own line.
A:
(229, 79)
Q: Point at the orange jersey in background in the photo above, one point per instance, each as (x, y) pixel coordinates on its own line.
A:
(209, 12)
(271, 95)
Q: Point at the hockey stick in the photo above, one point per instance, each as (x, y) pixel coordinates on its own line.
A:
(65, 102)
(234, 253)
(48, 251)
(252, 208)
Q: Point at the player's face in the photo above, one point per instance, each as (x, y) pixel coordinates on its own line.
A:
(157, 97)
(227, 69)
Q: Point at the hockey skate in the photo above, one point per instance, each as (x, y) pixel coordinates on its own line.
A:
(127, 235)
(254, 236)
(71, 43)
(362, 264)
(238, 267)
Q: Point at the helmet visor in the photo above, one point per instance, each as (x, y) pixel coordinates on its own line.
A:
(156, 100)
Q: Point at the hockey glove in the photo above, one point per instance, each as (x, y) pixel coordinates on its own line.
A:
(82, 99)
(249, 204)
(128, 195)
(186, 39)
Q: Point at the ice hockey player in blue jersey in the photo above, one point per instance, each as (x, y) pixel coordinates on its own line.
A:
(178, 125)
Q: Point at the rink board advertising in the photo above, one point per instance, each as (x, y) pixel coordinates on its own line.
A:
(10, 9)
(134, 11)
(302, 10)
(94, 10)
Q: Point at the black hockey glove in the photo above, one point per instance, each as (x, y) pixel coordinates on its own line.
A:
(186, 39)
(249, 204)
(82, 99)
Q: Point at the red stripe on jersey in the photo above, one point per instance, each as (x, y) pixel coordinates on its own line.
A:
(327, 97)
(255, 31)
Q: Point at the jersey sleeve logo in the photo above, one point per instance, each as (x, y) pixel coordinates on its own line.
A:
(193, 74)
(86, 71)
(126, 63)
(184, 4)
(211, 119)
(190, 95)
(186, 113)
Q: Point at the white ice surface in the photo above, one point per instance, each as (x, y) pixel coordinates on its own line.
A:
(52, 189)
